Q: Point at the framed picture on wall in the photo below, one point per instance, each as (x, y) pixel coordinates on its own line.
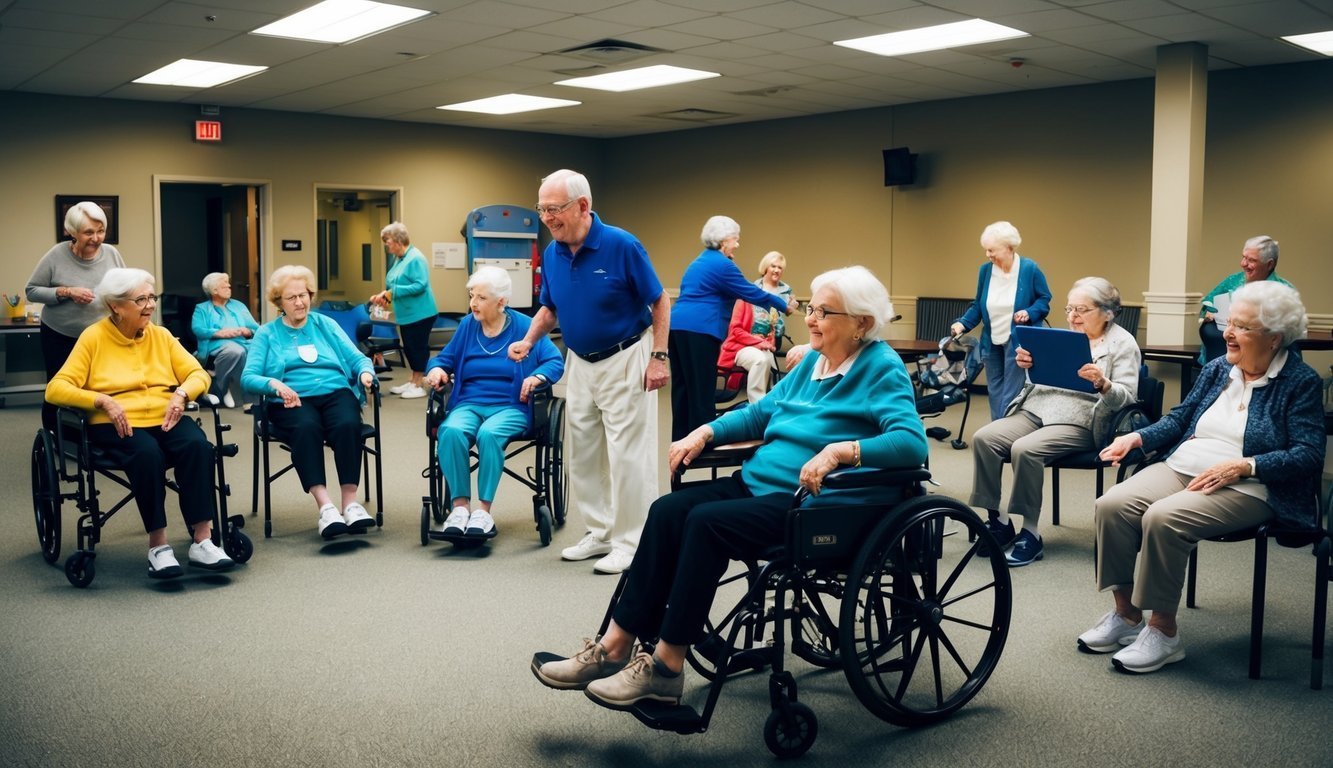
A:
(110, 205)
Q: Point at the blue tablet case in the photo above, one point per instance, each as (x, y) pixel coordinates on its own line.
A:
(1057, 354)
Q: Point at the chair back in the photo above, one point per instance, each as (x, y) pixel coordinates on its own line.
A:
(934, 315)
(1128, 318)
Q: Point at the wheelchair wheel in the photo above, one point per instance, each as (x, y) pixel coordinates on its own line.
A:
(238, 546)
(79, 569)
(925, 617)
(426, 516)
(46, 495)
(555, 467)
(792, 732)
(544, 525)
(814, 633)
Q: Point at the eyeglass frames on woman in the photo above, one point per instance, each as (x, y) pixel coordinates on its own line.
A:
(552, 210)
(145, 300)
(1071, 310)
(821, 313)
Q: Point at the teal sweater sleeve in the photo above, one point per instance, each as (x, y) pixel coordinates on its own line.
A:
(872, 403)
(409, 280)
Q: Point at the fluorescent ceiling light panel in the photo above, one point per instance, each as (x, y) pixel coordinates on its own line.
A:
(636, 79)
(191, 73)
(341, 21)
(1319, 42)
(935, 38)
(509, 104)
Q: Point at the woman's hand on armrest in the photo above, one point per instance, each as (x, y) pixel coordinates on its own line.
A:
(683, 451)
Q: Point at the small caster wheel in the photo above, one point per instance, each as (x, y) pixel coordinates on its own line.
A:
(238, 547)
(791, 733)
(544, 525)
(426, 517)
(79, 569)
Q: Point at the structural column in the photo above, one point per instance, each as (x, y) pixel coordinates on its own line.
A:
(1180, 115)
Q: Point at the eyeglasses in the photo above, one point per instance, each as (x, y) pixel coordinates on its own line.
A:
(145, 300)
(1071, 310)
(1245, 328)
(301, 297)
(552, 210)
(821, 313)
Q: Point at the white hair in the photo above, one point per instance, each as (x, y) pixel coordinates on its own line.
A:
(1000, 233)
(119, 282)
(1277, 306)
(493, 278)
(717, 229)
(862, 295)
(211, 282)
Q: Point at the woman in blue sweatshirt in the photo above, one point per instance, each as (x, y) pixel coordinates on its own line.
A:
(848, 403)
(699, 317)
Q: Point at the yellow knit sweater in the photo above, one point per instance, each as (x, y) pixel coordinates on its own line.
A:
(141, 374)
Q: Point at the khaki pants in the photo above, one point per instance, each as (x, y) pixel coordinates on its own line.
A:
(1153, 512)
(759, 364)
(1028, 445)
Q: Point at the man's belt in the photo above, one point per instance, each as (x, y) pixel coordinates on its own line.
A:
(594, 357)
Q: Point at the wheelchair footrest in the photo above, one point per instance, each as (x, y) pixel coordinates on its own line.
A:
(678, 718)
(460, 540)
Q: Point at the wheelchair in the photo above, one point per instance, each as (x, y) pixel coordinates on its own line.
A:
(266, 433)
(545, 478)
(69, 458)
(896, 595)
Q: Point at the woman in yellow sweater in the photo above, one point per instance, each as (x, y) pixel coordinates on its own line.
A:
(134, 379)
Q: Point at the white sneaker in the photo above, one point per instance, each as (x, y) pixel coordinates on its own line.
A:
(1111, 633)
(457, 521)
(401, 388)
(331, 522)
(228, 401)
(1150, 652)
(481, 525)
(358, 519)
(412, 392)
(162, 563)
(588, 546)
(207, 555)
(615, 562)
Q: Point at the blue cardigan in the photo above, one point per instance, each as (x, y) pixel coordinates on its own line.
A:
(1032, 295)
(708, 291)
(409, 280)
(871, 403)
(269, 352)
(208, 319)
(1284, 433)
(543, 359)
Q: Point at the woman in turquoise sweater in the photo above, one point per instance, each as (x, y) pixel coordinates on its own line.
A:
(408, 292)
(848, 404)
(307, 362)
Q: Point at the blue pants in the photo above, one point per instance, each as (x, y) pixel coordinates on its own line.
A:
(1004, 379)
(490, 428)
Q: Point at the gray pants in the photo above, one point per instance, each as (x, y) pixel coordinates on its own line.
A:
(1153, 512)
(228, 361)
(1027, 444)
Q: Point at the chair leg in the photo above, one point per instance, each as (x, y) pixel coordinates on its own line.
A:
(1191, 573)
(1055, 495)
(1323, 554)
(1257, 604)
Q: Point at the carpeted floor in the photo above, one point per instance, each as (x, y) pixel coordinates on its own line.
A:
(378, 651)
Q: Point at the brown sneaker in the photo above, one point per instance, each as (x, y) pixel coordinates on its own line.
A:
(587, 665)
(636, 682)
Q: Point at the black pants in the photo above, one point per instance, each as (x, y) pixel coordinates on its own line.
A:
(144, 456)
(690, 538)
(416, 343)
(693, 380)
(335, 418)
(56, 347)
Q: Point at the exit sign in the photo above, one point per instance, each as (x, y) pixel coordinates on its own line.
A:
(207, 130)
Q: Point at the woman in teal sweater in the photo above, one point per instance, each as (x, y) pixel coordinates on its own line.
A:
(407, 290)
(848, 405)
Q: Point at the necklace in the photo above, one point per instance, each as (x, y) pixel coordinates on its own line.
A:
(501, 336)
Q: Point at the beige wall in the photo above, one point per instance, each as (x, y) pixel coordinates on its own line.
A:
(1070, 167)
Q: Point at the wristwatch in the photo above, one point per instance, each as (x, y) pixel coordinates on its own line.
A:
(660, 356)
(184, 395)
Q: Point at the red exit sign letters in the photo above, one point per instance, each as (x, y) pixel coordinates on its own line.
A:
(207, 130)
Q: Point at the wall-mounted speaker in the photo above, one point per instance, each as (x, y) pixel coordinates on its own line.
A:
(899, 167)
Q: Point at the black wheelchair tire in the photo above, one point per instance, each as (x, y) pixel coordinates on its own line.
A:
(238, 547)
(544, 525)
(46, 498)
(925, 618)
(555, 465)
(80, 569)
(792, 732)
(426, 515)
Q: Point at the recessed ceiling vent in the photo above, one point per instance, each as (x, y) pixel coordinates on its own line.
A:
(696, 115)
(611, 51)
(772, 90)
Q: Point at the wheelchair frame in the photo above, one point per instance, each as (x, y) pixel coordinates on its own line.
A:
(69, 456)
(264, 434)
(546, 478)
(904, 598)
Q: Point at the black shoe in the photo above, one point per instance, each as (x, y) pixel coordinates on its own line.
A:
(1002, 532)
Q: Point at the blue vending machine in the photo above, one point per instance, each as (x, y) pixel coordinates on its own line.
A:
(505, 236)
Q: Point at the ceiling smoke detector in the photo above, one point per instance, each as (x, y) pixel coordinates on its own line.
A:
(611, 51)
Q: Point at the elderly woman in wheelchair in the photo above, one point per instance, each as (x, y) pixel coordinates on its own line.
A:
(848, 404)
(135, 379)
(308, 368)
(490, 403)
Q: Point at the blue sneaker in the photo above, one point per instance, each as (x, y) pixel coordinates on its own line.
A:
(1027, 549)
(1003, 533)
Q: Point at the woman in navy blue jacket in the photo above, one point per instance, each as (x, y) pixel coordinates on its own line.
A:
(1246, 445)
(1011, 290)
(699, 318)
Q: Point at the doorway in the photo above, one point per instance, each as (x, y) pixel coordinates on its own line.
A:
(351, 262)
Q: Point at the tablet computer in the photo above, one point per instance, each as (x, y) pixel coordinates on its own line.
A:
(1057, 354)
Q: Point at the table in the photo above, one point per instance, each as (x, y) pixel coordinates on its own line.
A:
(911, 350)
(1186, 355)
(15, 331)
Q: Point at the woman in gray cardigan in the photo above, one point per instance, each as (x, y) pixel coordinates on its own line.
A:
(1043, 422)
(1246, 445)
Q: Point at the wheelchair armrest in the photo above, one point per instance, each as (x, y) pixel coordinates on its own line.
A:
(727, 455)
(865, 477)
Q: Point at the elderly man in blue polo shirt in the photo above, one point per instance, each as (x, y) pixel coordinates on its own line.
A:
(598, 282)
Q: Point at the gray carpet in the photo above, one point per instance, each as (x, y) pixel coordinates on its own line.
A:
(378, 651)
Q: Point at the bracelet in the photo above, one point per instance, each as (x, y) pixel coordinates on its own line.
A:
(856, 454)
